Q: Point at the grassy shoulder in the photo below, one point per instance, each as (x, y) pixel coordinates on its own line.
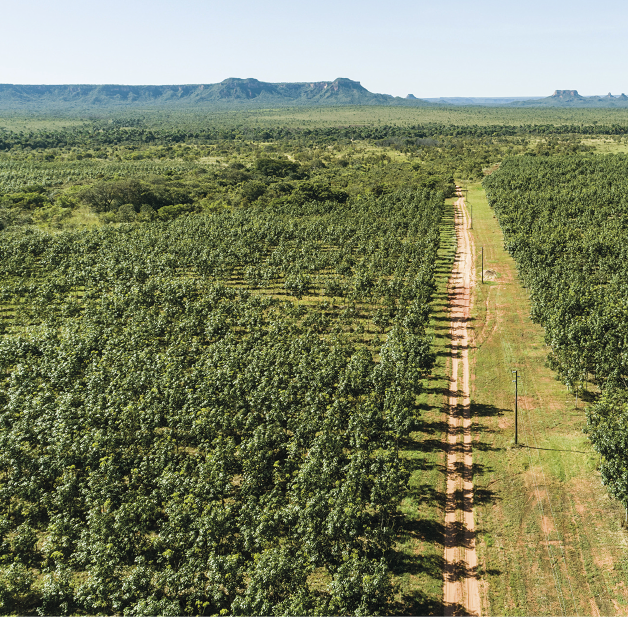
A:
(419, 569)
(550, 539)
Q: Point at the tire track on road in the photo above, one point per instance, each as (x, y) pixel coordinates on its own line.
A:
(461, 593)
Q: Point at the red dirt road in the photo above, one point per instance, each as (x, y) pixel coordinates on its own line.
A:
(461, 595)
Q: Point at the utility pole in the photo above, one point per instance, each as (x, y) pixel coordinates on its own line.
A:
(482, 265)
(516, 382)
(471, 206)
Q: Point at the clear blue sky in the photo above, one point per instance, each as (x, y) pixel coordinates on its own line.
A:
(428, 48)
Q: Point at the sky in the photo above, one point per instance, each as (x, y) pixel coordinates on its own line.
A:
(427, 48)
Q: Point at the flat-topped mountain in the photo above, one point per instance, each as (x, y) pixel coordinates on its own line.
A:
(566, 94)
(237, 93)
(571, 98)
(232, 92)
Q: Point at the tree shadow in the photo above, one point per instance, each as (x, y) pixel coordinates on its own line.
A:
(431, 445)
(421, 464)
(444, 390)
(433, 426)
(418, 603)
(587, 396)
(404, 563)
(478, 469)
(480, 410)
(486, 447)
(484, 496)
(426, 494)
(486, 411)
(454, 608)
(458, 570)
(440, 318)
(478, 428)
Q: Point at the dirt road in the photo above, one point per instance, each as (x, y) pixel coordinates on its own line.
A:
(460, 589)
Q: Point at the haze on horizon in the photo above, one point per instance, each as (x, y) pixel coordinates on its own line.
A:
(450, 49)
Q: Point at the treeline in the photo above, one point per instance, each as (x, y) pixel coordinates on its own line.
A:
(565, 221)
(98, 134)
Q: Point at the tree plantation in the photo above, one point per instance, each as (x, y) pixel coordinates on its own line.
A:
(229, 377)
(565, 221)
(193, 419)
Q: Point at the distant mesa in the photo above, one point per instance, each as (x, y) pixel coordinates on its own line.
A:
(572, 98)
(251, 93)
(566, 94)
(234, 92)
(621, 97)
(573, 94)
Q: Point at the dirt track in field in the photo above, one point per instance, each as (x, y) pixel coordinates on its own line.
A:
(461, 595)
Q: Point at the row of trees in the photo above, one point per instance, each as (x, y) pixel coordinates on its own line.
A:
(565, 222)
(99, 133)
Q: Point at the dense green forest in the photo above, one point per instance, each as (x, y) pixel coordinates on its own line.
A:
(212, 350)
(193, 415)
(565, 221)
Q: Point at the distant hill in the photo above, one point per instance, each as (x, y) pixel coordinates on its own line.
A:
(483, 101)
(236, 93)
(571, 98)
(232, 92)
(560, 98)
